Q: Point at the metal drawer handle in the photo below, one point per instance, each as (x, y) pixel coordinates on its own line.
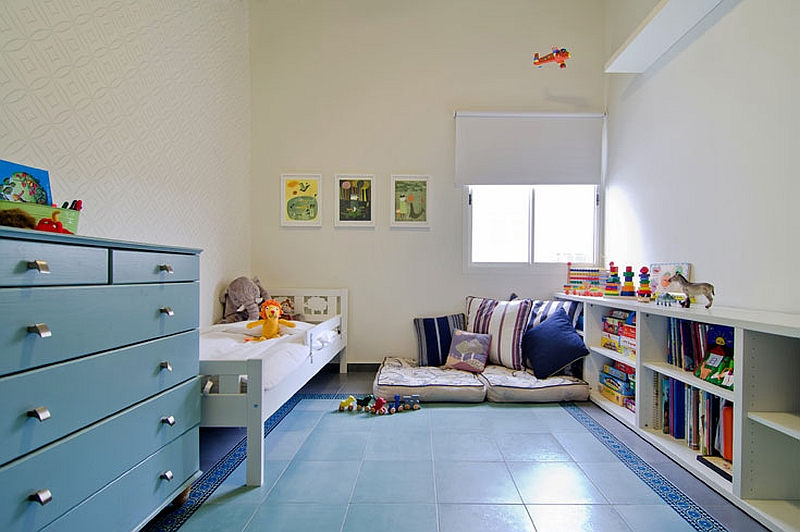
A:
(168, 420)
(167, 475)
(165, 365)
(165, 268)
(41, 413)
(39, 265)
(166, 310)
(41, 496)
(41, 329)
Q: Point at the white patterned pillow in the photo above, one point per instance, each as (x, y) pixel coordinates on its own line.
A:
(506, 322)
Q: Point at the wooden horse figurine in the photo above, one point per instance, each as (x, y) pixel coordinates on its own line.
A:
(694, 289)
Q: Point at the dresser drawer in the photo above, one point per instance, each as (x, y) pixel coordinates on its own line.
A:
(74, 468)
(25, 263)
(85, 320)
(79, 392)
(150, 267)
(123, 504)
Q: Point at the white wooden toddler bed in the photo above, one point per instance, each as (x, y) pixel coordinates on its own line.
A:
(274, 369)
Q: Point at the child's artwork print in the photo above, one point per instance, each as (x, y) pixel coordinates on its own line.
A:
(410, 194)
(300, 199)
(354, 200)
(661, 272)
(23, 183)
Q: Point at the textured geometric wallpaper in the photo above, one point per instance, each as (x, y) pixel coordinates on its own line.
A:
(141, 108)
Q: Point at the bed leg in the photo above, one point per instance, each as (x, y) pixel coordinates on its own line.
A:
(343, 361)
(255, 424)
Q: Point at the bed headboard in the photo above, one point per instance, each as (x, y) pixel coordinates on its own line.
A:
(315, 304)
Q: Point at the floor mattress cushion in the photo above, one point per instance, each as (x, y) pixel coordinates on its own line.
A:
(504, 385)
(404, 376)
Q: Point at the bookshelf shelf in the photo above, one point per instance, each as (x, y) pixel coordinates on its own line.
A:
(613, 355)
(765, 426)
(686, 457)
(687, 377)
(785, 515)
(620, 412)
(784, 422)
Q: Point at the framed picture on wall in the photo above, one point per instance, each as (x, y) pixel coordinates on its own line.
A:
(353, 200)
(409, 201)
(301, 199)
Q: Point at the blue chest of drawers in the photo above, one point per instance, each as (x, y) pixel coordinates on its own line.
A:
(99, 395)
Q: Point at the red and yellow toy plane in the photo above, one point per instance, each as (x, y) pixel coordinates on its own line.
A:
(558, 56)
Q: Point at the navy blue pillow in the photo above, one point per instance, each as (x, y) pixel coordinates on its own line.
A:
(434, 336)
(552, 345)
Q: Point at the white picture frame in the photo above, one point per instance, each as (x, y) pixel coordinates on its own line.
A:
(353, 199)
(301, 200)
(409, 197)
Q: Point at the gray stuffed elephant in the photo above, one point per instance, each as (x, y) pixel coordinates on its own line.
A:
(241, 300)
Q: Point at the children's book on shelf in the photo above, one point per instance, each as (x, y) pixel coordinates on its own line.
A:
(613, 395)
(724, 440)
(619, 332)
(677, 409)
(706, 350)
(622, 387)
(686, 343)
(630, 404)
(716, 442)
(615, 372)
(702, 419)
(717, 366)
(657, 413)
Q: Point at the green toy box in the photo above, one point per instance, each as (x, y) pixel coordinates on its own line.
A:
(67, 217)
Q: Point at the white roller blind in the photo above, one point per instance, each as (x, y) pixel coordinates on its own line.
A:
(528, 148)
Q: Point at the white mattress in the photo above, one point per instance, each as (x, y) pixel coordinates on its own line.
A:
(403, 376)
(281, 355)
(509, 386)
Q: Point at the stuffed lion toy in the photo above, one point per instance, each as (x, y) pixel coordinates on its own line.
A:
(270, 321)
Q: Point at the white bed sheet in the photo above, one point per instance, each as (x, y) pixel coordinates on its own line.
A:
(225, 342)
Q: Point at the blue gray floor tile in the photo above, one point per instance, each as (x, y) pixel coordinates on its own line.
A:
(449, 468)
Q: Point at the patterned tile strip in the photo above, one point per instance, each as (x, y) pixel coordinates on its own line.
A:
(696, 516)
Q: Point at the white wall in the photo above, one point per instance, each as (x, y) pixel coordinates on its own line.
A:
(703, 161)
(622, 18)
(370, 86)
(142, 109)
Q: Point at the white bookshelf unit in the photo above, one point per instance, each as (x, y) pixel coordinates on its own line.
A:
(765, 397)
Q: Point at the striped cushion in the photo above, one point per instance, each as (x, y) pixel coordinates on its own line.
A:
(434, 336)
(506, 321)
(542, 308)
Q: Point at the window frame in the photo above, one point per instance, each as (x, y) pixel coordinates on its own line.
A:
(529, 267)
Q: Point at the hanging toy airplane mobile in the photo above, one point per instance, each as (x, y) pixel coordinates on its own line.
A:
(558, 56)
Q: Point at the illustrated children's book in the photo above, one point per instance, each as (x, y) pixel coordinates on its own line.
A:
(24, 183)
(717, 366)
(660, 274)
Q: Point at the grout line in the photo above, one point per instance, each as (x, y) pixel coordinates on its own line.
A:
(433, 473)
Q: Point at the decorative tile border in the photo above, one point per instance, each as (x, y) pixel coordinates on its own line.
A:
(674, 497)
(171, 520)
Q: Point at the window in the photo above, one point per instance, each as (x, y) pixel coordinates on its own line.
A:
(525, 224)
